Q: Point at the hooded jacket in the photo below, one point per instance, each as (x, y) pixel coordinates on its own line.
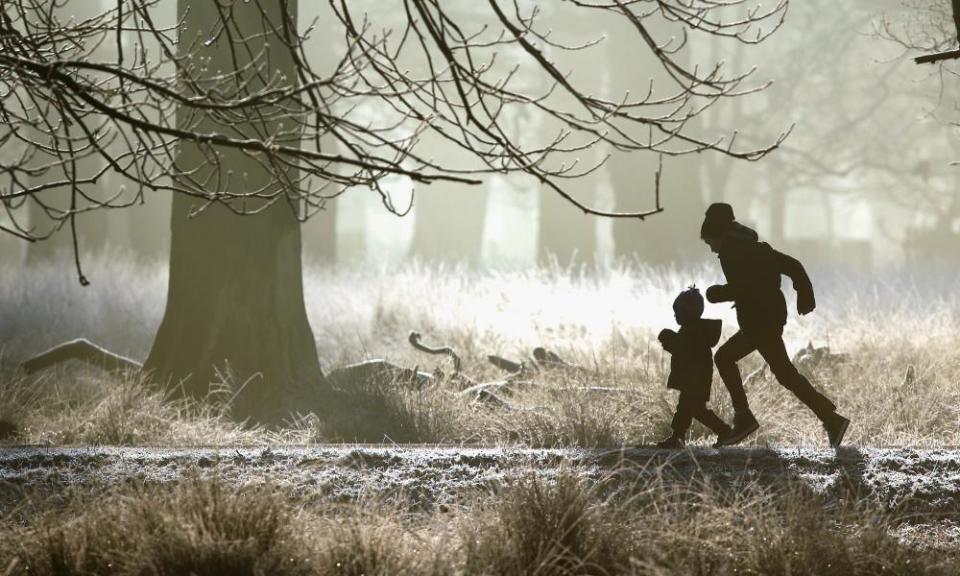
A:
(752, 270)
(691, 355)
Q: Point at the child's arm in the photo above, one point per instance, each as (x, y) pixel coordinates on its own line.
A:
(669, 340)
(793, 269)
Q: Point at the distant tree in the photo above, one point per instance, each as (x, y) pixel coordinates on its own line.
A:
(923, 177)
(324, 47)
(831, 94)
(226, 111)
(46, 214)
(449, 217)
(672, 236)
(563, 236)
(840, 100)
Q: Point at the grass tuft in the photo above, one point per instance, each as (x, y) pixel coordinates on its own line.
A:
(557, 528)
(200, 528)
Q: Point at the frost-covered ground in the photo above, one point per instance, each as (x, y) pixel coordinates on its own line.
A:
(429, 476)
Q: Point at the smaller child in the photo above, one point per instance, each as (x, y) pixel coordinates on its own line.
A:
(691, 367)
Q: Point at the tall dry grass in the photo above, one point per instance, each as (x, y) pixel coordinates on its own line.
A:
(604, 320)
(561, 527)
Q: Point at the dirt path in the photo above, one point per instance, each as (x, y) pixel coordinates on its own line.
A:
(426, 476)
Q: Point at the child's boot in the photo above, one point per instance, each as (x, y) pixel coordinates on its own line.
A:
(723, 435)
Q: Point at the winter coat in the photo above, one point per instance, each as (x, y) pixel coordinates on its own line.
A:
(752, 270)
(691, 355)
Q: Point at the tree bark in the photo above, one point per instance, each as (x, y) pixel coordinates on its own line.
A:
(235, 298)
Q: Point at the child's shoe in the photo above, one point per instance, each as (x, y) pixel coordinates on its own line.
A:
(671, 443)
(723, 437)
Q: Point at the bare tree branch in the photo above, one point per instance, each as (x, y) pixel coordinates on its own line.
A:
(410, 75)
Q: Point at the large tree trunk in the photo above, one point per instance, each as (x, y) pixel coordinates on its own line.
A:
(235, 298)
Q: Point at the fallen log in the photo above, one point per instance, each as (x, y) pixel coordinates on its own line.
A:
(82, 350)
(376, 372)
(540, 360)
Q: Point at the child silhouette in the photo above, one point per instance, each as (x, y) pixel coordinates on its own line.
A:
(691, 368)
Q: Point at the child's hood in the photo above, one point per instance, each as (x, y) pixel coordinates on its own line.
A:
(709, 330)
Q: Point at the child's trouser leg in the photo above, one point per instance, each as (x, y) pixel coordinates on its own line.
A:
(709, 418)
(684, 416)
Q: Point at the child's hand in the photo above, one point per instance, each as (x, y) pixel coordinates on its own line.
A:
(667, 338)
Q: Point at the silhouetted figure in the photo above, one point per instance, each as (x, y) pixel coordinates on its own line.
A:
(691, 368)
(752, 270)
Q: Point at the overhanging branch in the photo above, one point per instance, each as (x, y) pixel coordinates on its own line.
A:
(403, 85)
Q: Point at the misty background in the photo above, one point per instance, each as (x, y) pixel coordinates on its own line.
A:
(863, 182)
